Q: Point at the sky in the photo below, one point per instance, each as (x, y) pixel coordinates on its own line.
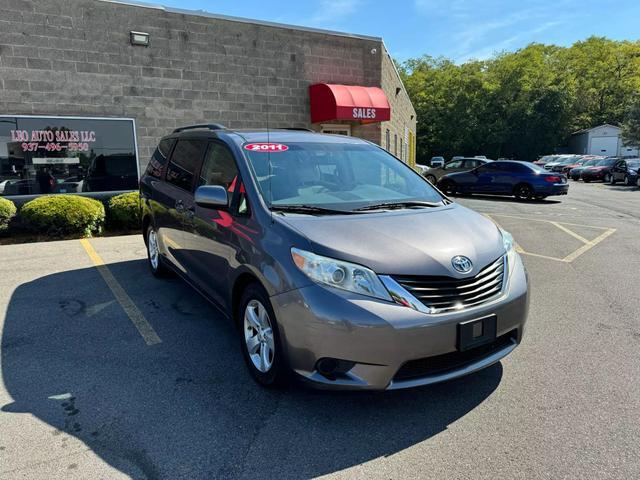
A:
(457, 29)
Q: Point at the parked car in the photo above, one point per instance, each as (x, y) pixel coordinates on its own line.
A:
(507, 177)
(579, 162)
(436, 161)
(314, 245)
(600, 171)
(625, 171)
(543, 160)
(575, 172)
(560, 161)
(462, 165)
(564, 163)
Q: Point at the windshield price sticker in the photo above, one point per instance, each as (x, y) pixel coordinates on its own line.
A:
(266, 147)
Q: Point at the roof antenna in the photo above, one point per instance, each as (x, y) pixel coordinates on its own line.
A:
(269, 157)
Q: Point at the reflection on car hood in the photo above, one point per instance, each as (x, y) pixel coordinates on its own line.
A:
(404, 242)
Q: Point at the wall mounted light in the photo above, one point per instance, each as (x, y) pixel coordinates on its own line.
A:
(139, 38)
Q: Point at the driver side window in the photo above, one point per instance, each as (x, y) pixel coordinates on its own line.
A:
(219, 167)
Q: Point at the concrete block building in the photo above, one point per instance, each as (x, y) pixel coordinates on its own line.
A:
(160, 68)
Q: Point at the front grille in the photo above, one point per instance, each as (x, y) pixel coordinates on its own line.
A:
(440, 364)
(443, 294)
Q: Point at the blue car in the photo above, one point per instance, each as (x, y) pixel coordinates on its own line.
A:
(522, 180)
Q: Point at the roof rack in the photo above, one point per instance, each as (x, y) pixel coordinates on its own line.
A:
(209, 126)
(300, 129)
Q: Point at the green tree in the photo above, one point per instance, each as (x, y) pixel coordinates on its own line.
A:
(631, 125)
(520, 104)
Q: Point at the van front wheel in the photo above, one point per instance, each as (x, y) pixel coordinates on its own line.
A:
(260, 339)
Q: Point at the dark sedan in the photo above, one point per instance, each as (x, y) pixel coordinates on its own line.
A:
(507, 177)
(600, 171)
(574, 173)
(626, 171)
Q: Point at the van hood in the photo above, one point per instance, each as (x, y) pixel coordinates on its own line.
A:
(404, 242)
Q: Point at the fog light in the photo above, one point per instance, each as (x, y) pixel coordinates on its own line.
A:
(330, 368)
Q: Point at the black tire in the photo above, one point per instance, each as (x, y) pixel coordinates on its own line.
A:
(585, 180)
(431, 179)
(449, 187)
(523, 192)
(612, 179)
(158, 268)
(627, 182)
(278, 373)
(608, 178)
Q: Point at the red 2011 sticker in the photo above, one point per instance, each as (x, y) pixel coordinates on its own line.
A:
(266, 147)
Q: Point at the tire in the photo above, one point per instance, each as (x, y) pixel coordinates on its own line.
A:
(448, 187)
(431, 179)
(523, 192)
(585, 180)
(155, 260)
(612, 179)
(627, 182)
(259, 338)
(638, 181)
(608, 178)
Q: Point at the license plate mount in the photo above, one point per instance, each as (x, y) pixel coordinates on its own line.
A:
(476, 332)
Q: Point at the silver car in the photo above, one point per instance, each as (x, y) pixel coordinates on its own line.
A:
(338, 263)
(454, 166)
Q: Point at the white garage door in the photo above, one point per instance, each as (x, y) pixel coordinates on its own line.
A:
(604, 146)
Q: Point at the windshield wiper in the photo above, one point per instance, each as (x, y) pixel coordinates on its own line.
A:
(310, 209)
(396, 205)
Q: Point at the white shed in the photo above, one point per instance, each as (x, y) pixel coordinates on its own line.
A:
(602, 140)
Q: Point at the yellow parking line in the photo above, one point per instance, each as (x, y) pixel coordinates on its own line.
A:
(588, 246)
(570, 232)
(135, 315)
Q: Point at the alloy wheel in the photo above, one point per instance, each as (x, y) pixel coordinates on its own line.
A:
(607, 178)
(523, 192)
(152, 245)
(258, 336)
(626, 180)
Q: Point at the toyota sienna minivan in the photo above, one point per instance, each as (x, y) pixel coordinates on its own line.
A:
(338, 263)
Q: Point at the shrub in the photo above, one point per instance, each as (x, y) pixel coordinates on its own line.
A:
(7, 212)
(62, 215)
(123, 211)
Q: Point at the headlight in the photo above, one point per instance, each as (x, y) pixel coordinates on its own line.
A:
(339, 274)
(510, 248)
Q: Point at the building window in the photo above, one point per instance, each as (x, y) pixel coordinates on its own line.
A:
(388, 140)
(395, 144)
(43, 155)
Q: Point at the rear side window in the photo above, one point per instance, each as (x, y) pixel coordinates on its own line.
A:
(159, 158)
(184, 162)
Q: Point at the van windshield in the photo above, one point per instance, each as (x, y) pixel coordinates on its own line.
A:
(341, 176)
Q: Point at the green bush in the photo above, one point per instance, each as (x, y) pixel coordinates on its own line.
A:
(63, 215)
(123, 212)
(7, 212)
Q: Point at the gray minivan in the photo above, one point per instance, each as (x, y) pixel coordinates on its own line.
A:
(338, 263)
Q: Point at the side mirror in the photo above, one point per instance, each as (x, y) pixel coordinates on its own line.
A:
(212, 196)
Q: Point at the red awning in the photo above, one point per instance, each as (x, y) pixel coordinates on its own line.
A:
(348, 102)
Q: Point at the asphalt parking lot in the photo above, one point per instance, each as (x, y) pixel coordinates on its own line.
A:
(108, 372)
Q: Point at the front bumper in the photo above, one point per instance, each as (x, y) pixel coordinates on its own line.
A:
(380, 337)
